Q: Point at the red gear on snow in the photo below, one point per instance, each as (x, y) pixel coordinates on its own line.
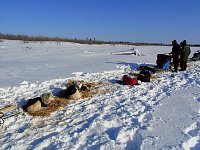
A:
(129, 80)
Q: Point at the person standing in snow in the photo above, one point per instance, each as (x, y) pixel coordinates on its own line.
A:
(176, 50)
(185, 52)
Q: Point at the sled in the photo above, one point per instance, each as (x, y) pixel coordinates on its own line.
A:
(7, 108)
(7, 112)
(196, 56)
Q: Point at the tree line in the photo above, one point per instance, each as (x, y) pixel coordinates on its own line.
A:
(27, 38)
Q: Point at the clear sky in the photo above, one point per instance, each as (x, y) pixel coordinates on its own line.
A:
(120, 20)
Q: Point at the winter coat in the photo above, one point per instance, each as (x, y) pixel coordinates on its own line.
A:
(185, 52)
(176, 51)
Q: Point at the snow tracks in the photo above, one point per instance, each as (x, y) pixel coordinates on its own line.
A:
(124, 118)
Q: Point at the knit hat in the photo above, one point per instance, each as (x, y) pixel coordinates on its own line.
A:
(184, 42)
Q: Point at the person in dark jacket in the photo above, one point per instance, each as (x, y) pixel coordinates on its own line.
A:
(176, 51)
(185, 52)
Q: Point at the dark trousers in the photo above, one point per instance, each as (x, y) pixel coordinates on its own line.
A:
(175, 65)
(183, 65)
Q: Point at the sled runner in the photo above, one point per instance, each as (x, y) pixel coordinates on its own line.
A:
(7, 108)
(5, 116)
(7, 112)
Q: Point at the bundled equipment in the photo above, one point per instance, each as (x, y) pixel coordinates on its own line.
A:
(163, 61)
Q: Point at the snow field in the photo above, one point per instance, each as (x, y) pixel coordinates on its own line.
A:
(162, 114)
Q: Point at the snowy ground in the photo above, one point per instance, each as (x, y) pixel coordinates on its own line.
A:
(162, 114)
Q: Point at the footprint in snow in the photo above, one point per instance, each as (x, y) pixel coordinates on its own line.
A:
(193, 133)
(113, 132)
(22, 129)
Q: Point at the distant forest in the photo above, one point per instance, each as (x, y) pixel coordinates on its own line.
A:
(27, 38)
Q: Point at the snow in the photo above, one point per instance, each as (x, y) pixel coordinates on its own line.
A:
(131, 51)
(182, 117)
(161, 114)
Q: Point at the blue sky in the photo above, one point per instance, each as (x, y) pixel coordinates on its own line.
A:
(116, 20)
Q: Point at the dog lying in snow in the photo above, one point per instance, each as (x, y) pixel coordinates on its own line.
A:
(80, 86)
(72, 92)
(37, 103)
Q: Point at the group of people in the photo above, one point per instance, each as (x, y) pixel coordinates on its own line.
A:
(180, 54)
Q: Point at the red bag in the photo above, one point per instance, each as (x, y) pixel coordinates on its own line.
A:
(129, 80)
